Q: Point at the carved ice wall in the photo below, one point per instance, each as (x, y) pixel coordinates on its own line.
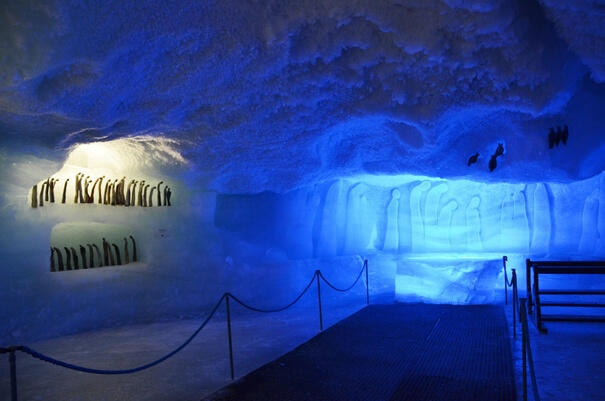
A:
(424, 215)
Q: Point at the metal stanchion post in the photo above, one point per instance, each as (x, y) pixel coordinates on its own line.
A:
(321, 323)
(514, 282)
(367, 284)
(229, 334)
(524, 347)
(12, 360)
(504, 259)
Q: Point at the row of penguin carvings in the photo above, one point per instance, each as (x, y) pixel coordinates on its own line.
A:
(116, 192)
(92, 258)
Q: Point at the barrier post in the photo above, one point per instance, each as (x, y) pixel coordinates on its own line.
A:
(229, 334)
(524, 346)
(514, 282)
(321, 323)
(12, 360)
(504, 259)
(367, 284)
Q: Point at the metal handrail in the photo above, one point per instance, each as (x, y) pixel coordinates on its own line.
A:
(317, 275)
(519, 306)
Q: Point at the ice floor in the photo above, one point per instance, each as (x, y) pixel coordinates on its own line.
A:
(569, 360)
(198, 370)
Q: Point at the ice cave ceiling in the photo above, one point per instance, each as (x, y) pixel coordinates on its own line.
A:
(275, 94)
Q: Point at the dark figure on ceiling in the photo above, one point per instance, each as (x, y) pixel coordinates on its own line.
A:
(473, 159)
(492, 161)
(565, 135)
(559, 135)
(551, 138)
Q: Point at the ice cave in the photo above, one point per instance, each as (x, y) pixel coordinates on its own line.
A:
(310, 200)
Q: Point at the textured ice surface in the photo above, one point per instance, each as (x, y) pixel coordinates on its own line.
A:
(273, 95)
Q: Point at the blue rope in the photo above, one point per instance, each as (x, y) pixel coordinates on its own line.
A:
(342, 289)
(78, 368)
(46, 358)
(242, 303)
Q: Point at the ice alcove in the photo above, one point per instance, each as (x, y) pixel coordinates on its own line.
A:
(88, 245)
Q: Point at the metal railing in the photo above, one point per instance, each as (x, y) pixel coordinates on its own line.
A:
(520, 309)
(317, 277)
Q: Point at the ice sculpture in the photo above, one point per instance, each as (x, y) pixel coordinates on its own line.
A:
(541, 230)
(589, 235)
(360, 219)
(432, 205)
(444, 224)
(391, 239)
(333, 221)
(416, 215)
(473, 225)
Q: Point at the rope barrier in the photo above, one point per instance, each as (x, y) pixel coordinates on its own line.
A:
(341, 289)
(252, 308)
(78, 368)
(38, 355)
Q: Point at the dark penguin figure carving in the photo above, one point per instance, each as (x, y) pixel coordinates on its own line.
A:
(47, 188)
(145, 195)
(80, 190)
(83, 254)
(473, 159)
(169, 194)
(134, 249)
(127, 200)
(92, 191)
(551, 138)
(151, 196)
(492, 163)
(126, 255)
(74, 254)
(64, 191)
(59, 259)
(100, 199)
(140, 193)
(105, 253)
(558, 135)
(41, 200)
(35, 196)
(565, 135)
(98, 254)
(68, 258)
(165, 195)
(106, 193)
(113, 192)
(118, 259)
(112, 261)
(122, 195)
(52, 259)
(159, 195)
(53, 182)
(91, 261)
(76, 188)
(87, 196)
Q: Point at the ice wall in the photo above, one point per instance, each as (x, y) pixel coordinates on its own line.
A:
(412, 214)
(427, 239)
(446, 237)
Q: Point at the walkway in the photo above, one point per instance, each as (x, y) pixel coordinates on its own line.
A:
(393, 352)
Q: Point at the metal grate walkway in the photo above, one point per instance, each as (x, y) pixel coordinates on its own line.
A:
(393, 352)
